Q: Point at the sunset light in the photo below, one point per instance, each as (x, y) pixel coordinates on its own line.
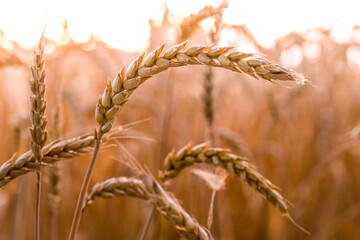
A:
(124, 24)
(180, 119)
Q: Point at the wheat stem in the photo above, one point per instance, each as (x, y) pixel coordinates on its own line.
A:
(146, 228)
(38, 198)
(38, 119)
(81, 199)
(211, 209)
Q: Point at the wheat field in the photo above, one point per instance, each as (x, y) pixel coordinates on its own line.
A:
(190, 139)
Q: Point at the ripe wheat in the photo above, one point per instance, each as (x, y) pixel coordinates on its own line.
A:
(53, 152)
(149, 189)
(188, 156)
(119, 90)
(38, 133)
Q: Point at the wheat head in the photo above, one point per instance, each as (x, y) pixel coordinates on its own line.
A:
(148, 188)
(118, 91)
(188, 156)
(38, 132)
(53, 152)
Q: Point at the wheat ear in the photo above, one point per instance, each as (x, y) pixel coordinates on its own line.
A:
(149, 189)
(118, 91)
(188, 156)
(38, 119)
(52, 153)
(114, 187)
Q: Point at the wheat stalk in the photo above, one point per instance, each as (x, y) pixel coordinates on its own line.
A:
(38, 132)
(188, 156)
(38, 119)
(149, 189)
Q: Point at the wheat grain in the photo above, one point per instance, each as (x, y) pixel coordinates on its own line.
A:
(149, 189)
(188, 156)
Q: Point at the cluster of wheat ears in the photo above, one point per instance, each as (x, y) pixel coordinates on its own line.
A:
(143, 185)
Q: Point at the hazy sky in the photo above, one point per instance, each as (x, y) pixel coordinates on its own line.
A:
(124, 24)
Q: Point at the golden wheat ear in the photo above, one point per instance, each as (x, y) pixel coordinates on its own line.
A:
(53, 152)
(38, 133)
(118, 91)
(189, 155)
(147, 188)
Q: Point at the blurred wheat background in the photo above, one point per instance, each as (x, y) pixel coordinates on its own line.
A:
(304, 138)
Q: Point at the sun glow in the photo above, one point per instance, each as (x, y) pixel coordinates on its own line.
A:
(125, 24)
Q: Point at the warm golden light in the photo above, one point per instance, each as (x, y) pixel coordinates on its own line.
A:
(124, 24)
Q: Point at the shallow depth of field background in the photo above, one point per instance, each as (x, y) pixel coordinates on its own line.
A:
(305, 139)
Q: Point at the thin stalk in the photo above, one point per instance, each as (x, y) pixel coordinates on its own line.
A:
(147, 224)
(211, 210)
(38, 119)
(217, 230)
(84, 187)
(164, 142)
(38, 197)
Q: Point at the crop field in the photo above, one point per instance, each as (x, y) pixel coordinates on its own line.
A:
(190, 139)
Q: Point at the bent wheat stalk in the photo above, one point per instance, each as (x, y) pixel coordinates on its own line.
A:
(188, 156)
(118, 91)
(148, 189)
(38, 119)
